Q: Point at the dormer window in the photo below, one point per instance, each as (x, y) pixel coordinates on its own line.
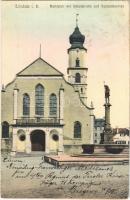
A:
(77, 62)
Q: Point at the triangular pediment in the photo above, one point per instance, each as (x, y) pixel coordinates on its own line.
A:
(40, 68)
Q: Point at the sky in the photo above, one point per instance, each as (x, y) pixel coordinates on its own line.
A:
(106, 33)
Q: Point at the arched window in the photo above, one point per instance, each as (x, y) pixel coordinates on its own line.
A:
(5, 130)
(77, 130)
(77, 78)
(53, 104)
(26, 104)
(81, 90)
(39, 100)
(77, 62)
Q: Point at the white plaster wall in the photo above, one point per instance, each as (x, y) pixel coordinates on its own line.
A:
(119, 137)
(20, 145)
(73, 55)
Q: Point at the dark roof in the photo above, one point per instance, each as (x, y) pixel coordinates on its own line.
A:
(76, 39)
(121, 131)
(100, 122)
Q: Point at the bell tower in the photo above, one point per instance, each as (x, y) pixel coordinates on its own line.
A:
(77, 71)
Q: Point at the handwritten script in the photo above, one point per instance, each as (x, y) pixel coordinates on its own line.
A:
(68, 180)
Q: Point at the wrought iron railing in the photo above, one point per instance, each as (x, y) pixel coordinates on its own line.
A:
(38, 121)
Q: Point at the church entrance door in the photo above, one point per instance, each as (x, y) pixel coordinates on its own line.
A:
(38, 140)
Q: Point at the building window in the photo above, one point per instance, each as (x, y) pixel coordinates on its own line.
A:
(77, 62)
(39, 100)
(95, 141)
(5, 130)
(26, 104)
(53, 104)
(77, 78)
(81, 90)
(121, 142)
(77, 130)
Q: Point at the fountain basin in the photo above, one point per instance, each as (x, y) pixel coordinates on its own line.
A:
(88, 148)
(104, 148)
(114, 149)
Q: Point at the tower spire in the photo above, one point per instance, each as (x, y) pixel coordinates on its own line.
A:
(40, 51)
(77, 19)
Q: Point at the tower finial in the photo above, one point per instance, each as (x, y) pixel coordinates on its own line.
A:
(40, 51)
(77, 19)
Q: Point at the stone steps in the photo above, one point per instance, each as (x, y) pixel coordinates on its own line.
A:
(71, 160)
(123, 155)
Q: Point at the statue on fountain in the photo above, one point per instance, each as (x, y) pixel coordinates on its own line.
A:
(106, 136)
(107, 93)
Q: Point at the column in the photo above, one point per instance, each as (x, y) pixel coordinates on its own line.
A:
(92, 125)
(61, 104)
(107, 115)
(61, 149)
(15, 103)
(28, 142)
(32, 105)
(47, 140)
(108, 134)
(14, 142)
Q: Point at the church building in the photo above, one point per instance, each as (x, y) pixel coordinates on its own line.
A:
(41, 111)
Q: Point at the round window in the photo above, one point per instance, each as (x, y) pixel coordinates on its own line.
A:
(22, 137)
(55, 137)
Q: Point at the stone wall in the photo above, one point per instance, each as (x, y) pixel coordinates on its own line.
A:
(6, 144)
(73, 149)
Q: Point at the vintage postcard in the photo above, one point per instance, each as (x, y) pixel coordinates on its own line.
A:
(65, 99)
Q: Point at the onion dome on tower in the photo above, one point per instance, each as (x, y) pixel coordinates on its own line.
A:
(77, 38)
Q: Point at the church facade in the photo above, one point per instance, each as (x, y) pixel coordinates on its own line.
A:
(41, 111)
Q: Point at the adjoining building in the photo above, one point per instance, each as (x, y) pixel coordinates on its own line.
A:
(99, 124)
(121, 136)
(41, 111)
